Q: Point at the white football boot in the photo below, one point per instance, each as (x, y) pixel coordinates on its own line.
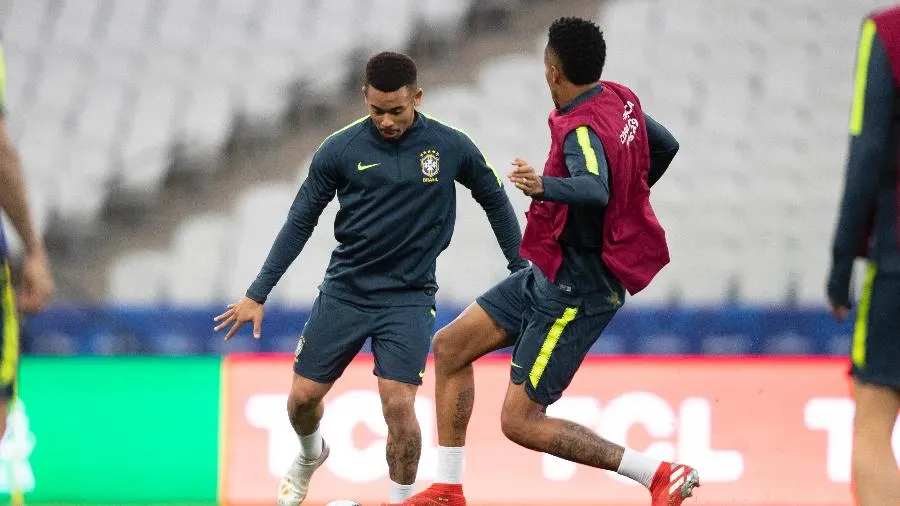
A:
(294, 484)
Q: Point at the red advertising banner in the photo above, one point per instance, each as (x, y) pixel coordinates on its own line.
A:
(767, 432)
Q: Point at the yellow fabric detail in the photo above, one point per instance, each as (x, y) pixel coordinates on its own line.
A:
(360, 120)
(10, 359)
(590, 156)
(861, 329)
(862, 75)
(543, 358)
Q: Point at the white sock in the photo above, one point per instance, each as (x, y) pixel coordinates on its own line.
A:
(400, 493)
(311, 445)
(638, 467)
(450, 464)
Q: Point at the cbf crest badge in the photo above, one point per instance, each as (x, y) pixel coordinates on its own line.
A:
(431, 165)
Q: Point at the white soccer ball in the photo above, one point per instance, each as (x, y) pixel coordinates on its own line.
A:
(343, 502)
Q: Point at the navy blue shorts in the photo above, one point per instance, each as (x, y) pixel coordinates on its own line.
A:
(554, 330)
(337, 329)
(875, 353)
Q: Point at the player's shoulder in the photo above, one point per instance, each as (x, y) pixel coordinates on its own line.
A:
(618, 87)
(890, 12)
(440, 128)
(338, 140)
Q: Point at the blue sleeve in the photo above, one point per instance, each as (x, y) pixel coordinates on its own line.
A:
(663, 148)
(477, 174)
(588, 181)
(870, 129)
(315, 193)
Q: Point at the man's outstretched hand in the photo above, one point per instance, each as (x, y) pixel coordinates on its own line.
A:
(245, 310)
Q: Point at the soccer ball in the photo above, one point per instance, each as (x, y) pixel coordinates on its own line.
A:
(343, 502)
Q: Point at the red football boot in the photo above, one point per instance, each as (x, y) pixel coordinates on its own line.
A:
(438, 494)
(672, 484)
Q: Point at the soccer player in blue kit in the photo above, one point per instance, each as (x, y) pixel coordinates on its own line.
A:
(37, 279)
(394, 173)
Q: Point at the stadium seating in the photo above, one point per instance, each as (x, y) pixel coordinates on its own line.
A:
(756, 93)
(107, 96)
(107, 93)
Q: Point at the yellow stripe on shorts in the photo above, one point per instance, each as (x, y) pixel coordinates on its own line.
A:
(861, 329)
(10, 359)
(543, 358)
(862, 76)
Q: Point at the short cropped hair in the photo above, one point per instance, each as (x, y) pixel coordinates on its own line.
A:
(579, 45)
(388, 71)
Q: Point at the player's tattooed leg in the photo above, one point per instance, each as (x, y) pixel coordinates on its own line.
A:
(577, 443)
(404, 441)
(465, 401)
(526, 423)
(403, 452)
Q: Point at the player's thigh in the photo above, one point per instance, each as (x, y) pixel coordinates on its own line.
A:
(875, 351)
(507, 301)
(473, 334)
(398, 400)
(876, 411)
(400, 342)
(553, 345)
(333, 335)
(9, 334)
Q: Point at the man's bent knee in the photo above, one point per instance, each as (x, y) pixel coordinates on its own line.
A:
(447, 347)
(399, 413)
(398, 403)
(306, 395)
(520, 415)
(515, 424)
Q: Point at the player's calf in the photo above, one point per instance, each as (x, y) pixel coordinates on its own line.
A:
(305, 409)
(404, 441)
(523, 421)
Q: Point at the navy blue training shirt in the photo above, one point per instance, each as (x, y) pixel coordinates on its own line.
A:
(870, 184)
(397, 211)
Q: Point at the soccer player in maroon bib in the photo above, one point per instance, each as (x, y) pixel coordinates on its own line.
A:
(591, 236)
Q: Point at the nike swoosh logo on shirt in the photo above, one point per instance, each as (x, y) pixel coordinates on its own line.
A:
(361, 167)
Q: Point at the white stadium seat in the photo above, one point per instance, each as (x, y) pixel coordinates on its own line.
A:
(100, 92)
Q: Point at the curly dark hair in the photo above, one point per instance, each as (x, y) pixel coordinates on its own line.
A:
(388, 71)
(579, 45)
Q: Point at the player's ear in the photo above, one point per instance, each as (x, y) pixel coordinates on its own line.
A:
(555, 74)
(417, 97)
